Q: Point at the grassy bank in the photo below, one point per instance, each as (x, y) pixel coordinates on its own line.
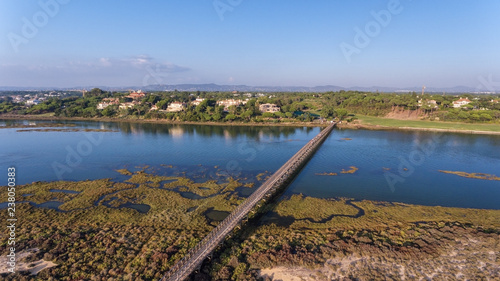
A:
(48, 117)
(422, 124)
(364, 122)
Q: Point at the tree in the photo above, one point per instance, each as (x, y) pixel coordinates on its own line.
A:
(486, 117)
(96, 92)
(327, 111)
(202, 107)
(231, 117)
(475, 117)
(341, 113)
(247, 115)
(162, 104)
(463, 115)
(217, 116)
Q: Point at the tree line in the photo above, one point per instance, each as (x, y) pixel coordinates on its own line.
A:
(294, 107)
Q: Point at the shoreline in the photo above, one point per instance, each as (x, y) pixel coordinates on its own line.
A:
(352, 126)
(159, 121)
(388, 128)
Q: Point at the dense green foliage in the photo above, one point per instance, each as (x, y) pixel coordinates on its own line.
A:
(294, 107)
(9, 106)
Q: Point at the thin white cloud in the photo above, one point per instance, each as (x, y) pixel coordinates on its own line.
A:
(105, 61)
(137, 70)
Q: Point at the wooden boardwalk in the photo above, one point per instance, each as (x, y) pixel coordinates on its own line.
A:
(194, 258)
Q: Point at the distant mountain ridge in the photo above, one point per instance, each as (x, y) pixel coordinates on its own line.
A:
(245, 88)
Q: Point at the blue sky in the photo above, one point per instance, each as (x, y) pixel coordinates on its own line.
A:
(253, 42)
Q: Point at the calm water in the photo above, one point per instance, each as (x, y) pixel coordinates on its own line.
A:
(392, 165)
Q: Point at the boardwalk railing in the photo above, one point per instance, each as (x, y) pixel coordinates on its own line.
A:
(193, 259)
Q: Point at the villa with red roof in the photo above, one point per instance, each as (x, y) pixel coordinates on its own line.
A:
(136, 95)
(461, 102)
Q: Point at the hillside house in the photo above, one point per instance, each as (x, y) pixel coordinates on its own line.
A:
(136, 95)
(230, 102)
(107, 102)
(125, 105)
(33, 102)
(197, 101)
(176, 106)
(461, 102)
(269, 107)
(431, 103)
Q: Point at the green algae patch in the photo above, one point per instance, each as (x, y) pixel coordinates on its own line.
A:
(39, 125)
(41, 191)
(381, 232)
(91, 192)
(124, 172)
(310, 212)
(383, 213)
(64, 191)
(262, 176)
(313, 209)
(326, 174)
(249, 184)
(66, 130)
(144, 244)
(147, 243)
(142, 177)
(480, 176)
(352, 170)
(232, 185)
(203, 189)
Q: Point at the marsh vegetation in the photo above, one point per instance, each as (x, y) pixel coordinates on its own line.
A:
(91, 236)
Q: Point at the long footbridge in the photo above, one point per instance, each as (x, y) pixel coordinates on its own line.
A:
(194, 258)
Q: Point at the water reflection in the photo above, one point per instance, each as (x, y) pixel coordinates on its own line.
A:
(203, 152)
(253, 132)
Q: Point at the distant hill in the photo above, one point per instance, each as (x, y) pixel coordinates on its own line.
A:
(244, 88)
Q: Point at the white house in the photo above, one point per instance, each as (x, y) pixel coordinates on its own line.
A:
(431, 103)
(461, 102)
(269, 107)
(107, 102)
(231, 102)
(197, 101)
(32, 102)
(176, 106)
(126, 105)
